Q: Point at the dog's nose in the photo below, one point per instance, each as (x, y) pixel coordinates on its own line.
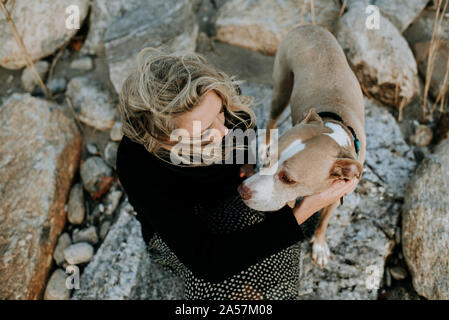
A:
(244, 192)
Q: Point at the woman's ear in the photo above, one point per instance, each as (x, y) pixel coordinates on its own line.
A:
(344, 168)
(312, 116)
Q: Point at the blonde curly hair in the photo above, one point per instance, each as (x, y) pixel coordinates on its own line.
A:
(166, 85)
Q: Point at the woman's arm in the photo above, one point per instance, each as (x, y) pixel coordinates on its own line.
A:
(208, 255)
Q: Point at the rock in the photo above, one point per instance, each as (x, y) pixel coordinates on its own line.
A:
(398, 273)
(86, 235)
(425, 231)
(77, 253)
(92, 149)
(96, 176)
(122, 268)
(95, 215)
(57, 85)
(92, 102)
(104, 228)
(39, 154)
(56, 287)
(29, 82)
(381, 59)
(63, 242)
(76, 210)
(84, 63)
(41, 34)
(421, 29)
(112, 200)
(103, 12)
(440, 61)
(261, 25)
(110, 153)
(389, 156)
(362, 231)
(170, 24)
(422, 137)
(400, 12)
(116, 133)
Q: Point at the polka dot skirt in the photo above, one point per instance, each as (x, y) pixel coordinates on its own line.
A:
(276, 277)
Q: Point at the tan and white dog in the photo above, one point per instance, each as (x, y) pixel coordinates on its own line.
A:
(327, 141)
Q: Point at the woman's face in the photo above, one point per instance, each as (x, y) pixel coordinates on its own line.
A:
(209, 114)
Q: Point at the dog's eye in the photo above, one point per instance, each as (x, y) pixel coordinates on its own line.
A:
(285, 178)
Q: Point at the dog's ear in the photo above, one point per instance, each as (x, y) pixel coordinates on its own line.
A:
(344, 168)
(312, 116)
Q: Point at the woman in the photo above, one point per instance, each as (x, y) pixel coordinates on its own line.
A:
(192, 218)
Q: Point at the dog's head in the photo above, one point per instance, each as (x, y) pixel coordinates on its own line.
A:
(308, 159)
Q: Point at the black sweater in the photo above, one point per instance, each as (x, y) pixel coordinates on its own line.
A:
(163, 195)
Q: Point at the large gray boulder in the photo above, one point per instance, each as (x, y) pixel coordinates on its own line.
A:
(42, 26)
(425, 228)
(362, 231)
(102, 13)
(422, 28)
(39, 155)
(92, 102)
(381, 59)
(260, 25)
(400, 12)
(169, 24)
(122, 269)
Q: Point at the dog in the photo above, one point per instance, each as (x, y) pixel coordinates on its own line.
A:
(327, 140)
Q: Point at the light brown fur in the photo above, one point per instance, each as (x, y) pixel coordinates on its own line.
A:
(312, 74)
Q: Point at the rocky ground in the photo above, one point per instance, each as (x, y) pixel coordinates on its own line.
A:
(63, 211)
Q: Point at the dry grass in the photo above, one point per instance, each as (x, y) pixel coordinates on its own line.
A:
(312, 11)
(342, 9)
(441, 97)
(19, 40)
(434, 44)
(303, 12)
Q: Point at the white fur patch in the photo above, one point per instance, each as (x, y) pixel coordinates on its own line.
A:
(262, 183)
(339, 135)
(292, 149)
(320, 253)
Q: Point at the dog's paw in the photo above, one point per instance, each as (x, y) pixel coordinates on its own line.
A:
(320, 252)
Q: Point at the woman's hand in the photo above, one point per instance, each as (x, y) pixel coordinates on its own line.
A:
(315, 202)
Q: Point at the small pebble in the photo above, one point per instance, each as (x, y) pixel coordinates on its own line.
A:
(29, 82)
(84, 63)
(79, 253)
(86, 235)
(92, 148)
(112, 200)
(56, 286)
(116, 133)
(57, 85)
(63, 242)
(398, 273)
(110, 153)
(104, 229)
(422, 137)
(76, 211)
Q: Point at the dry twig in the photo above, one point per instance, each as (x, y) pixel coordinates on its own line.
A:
(342, 9)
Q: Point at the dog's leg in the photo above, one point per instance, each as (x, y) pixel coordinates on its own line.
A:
(282, 90)
(320, 249)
